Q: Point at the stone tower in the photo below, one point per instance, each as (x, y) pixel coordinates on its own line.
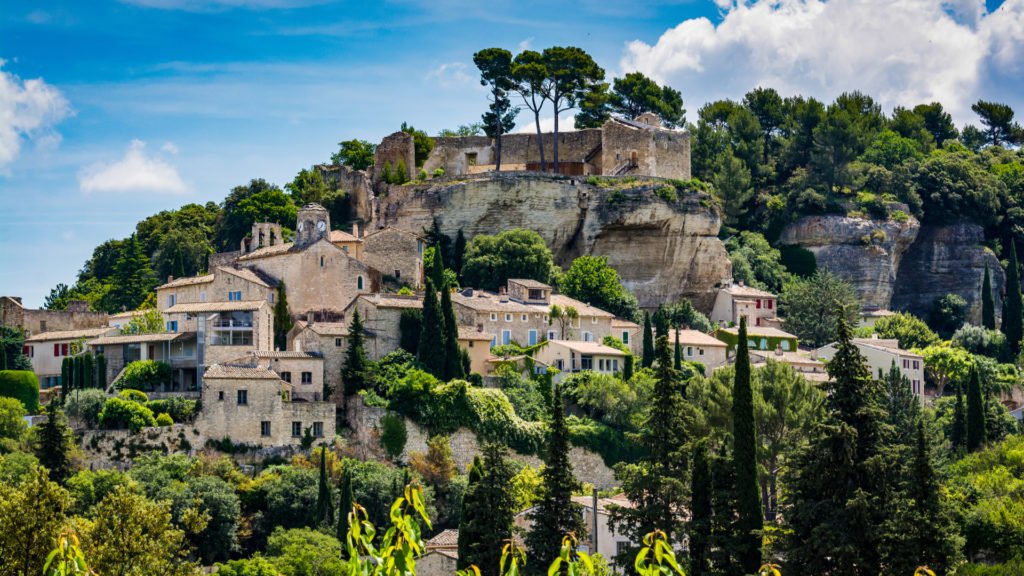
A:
(314, 223)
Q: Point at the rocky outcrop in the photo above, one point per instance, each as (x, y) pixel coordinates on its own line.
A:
(947, 260)
(866, 253)
(663, 248)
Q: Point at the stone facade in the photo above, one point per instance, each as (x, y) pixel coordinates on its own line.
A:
(303, 370)
(224, 285)
(395, 253)
(355, 183)
(32, 321)
(398, 147)
(329, 340)
(736, 301)
(381, 315)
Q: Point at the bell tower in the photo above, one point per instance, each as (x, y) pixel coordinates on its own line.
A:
(313, 223)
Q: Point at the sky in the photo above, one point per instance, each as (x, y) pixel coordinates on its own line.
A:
(113, 111)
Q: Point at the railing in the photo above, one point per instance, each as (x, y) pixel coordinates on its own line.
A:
(232, 324)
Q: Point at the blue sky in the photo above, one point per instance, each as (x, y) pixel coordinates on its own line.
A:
(111, 111)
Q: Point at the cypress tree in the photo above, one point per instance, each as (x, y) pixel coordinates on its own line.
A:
(53, 448)
(88, 371)
(958, 436)
(699, 528)
(133, 277)
(460, 253)
(627, 367)
(79, 372)
(282, 319)
(101, 371)
(661, 322)
(678, 361)
(410, 324)
(493, 510)
(324, 507)
(452, 352)
(555, 514)
(744, 457)
(648, 350)
(933, 539)
(66, 377)
(437, 268)
(468, 524)
(975, 413)
(431, 352)
(345, 503)
(353, 374)
(988, 304)
(1013, 308)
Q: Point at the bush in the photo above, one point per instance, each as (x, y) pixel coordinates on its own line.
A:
(798, 260)
(667, 193)
(119, 413)
(178, 408)
(899, 216)
(611, 444)
(909, 330)
(21, 385)
(134, 396)
(144, 374)
(393, 435)
(438, 172)
(980, 340)
(85, 405)
(164, 419)
(948, 313)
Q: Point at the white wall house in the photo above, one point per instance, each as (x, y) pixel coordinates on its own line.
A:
(881, 354)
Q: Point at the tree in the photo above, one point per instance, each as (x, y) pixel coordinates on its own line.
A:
(1013, 307)
(813, 307)
(88, 371)
(282, 318)
(31, 515)
(492, 260)
(532, 83)
(590, 279)
(469, 525)
(594, 106)
(345, 503)
(767, 106)
(257, 201)
(12, 346)
(988, 304)
(565, 316)
(431, 352)
(57, 299)
(422, 145)
(353, 374)
(958, 435)
(975, 413)
(149, 322)
(997, 118)
(79, 371)
(635, 94)
(699, 526)
(744, 455)
(937, 121)
(324, 506)
(733, 186)
(356, 154)
(909, 330)
(133, 278)
(571, 71)
(647, 358)
(305, 552)
(948, 313)
(54, 444)
(462, 130)
(490, 520)
(555, 514)
(410, 324)
(495, 65)
(946, 364)
(755, 262)
(452, 353)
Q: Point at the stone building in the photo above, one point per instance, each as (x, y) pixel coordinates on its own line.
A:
(179, 350)
(758, 338)
(478, 346)
(47, 351)
(397, 254)
(736, 300)
(303, 370)
(696, 346)
(881, 354)
(329, 340)
(570, 357)
(250, 404)
(440, 555)
(77, 316)
(381, 315)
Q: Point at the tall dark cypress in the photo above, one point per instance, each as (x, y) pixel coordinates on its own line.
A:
(88, 370)
(431, 351)
(988, 304)
(493, 509)
(555, 514)
(975, 413)
(661, 322)
(353, 373)
(101, 371)
(79, 365)
(958, 436)
(460, 253)
(699, 528)
(678, 363)
(1013, 308)
(468, 525)
(750, 519)
(282, 318)
(437, 268)
(324, 507)
(648, 350)
(66, 377)
(54, 444)
(345, 503)
(452, 354)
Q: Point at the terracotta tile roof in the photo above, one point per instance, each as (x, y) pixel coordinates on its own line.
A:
(141, 338)
(392, 301)
(386, 228)
(282, 354)
(747, 292)
(890, 346)
(695, 337)
(267, 251)
(69, 334)
(205, 279)
(129, 314)
(470, 333)
(249, 275)
(230, 306)
(487, 302)
(603, 504)
(789, 357)
(341, 236)
(582, 308)
(329, 328)
(529, 283)
(620, 323)
(587, 347)
(446, 539)
(759, 331)
(240, 372)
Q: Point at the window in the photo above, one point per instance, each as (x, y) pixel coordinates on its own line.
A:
(286, 376)
(758, 304)
(265, 428)
(917, 364)
(307, 377)
(588, 337)
(586, 362)
(63, 349)
(470, 343)
(29, 351)
(615, 365)
(270, 296)
(296, 429)
(621, 547)
(689, 351)
(42, 325)
(172, 326)
(506, 336)
(220, 396)
(202, 296)
(359, 283)
(559, 364)
(769, 304)
(551, 334)
(906, 363)
(235, 296)
(243, 397)
(494, 317)
(593, 320)
(508, 317)
(321, 261)
(337, 342)
(625, 336)
(700, 351)
(785, 345)
(398, 274)
(526, 317)
(533, 337)
(494, 342)
(56, 349)
(172, 299)
(232, 328)
(318, 429)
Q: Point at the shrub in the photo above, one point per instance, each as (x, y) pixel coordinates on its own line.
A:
(119, 413)
(134, 396)
(144, 374)
(980, 340)
(178, 408)
(393, 435)
(666, 193)
(899, 216)
(164, 419)
(611, 444)
(798, 260)
(878, 236)
(85, 405)
(910, 330)
(438, 172)
(21, 385)
(422, 176)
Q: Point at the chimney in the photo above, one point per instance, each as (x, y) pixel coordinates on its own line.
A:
(170, 278)
(355, 229)
(309, 318)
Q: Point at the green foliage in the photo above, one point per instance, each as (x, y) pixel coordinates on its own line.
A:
(255, 566)
(21, 385)
(150, 322)
(12, 341)
(13, 427)
(609, 399)
(983, 341)
(431, 351)
(305, 552)
(353, 374)
(814, 306)
(144, 375)
(164, 419)
(492, 260)
(590, 279)
(178, 408)
(948, 313)
(909, 330)
(997, 118)
(613, 445)
(975, 413)
(744, 458)
(133, 278)
(356, 154)
(634, 94)
(422, 144)
(119, 413)
(487, 512)
(1013, 304)
(89, 487)
(990, 484)
(755, 262)
(988, 305)
(31, 517)
(798, 260)
(134, 396)
(393, 435)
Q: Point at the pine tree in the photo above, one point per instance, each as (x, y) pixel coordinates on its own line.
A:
(555, 514)
(324, 507)
(935, 535)
(88, 370)
(460, 253)
(468, 524)
(282, 319)
(133, 277)
(101, 371)
(902, 406)
(958, 436)
(975, 413)
(988, 305)
(493, 508)
(437, 268)
(648, 350)
(345, 503)
(699, 527)
(661, 322)
(452, 352)
(353, 374)
(1013, 308)
(744, 456)
(431, 353)
(54, 444)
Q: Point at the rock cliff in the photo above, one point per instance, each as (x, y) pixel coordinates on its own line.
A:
(866, 253)
(664, 250)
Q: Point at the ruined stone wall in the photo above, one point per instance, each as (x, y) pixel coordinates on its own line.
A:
(105, 449)
(661, 153)
(395, 253)
(213, 261)
(516, 150)
(36, 321)
(356, 183)
(392, 149)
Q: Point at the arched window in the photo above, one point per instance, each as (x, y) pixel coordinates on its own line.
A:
(359, 283)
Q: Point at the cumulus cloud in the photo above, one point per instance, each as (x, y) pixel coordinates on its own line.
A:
(902, 53)
(566, 123)
(29, 110)
(135, 172)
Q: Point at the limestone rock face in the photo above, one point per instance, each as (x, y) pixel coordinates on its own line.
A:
(866, 253)
(662, 250)
(947, 260)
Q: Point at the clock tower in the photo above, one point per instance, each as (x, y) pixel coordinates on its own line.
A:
(314, 223)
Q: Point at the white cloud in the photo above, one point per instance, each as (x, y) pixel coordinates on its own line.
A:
(566, 123)
(524, 44)
(902, 53)
(170, 148)
(29, 109)
(135, 172)
(451, 74)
